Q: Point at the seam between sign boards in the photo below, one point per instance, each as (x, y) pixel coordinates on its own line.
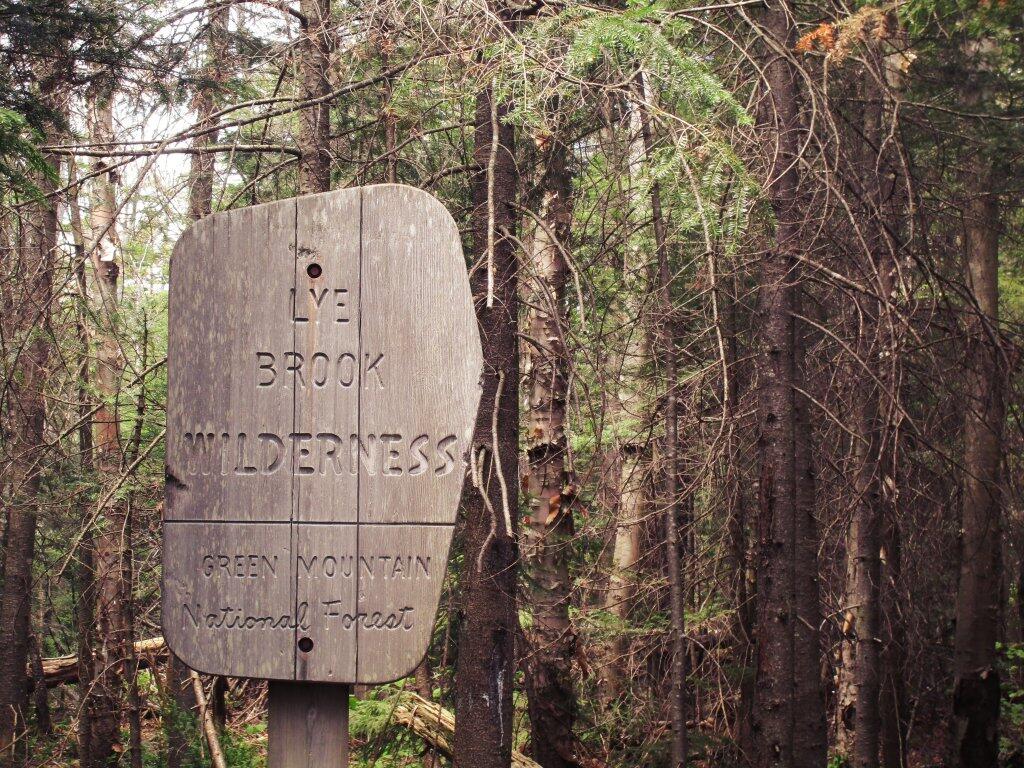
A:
(293, 529)
(359, 415)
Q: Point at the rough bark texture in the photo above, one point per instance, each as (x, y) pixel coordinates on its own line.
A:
(667, 353)
(810, 733)
(547, 536)
(976, 687)
(110, 587)
(83, 570)
(83, 621)
(486, 663)
(789, 728)
(744, 583)
(870, 712)
(866, 543)
(181, 721)
(24, 414)
(315, 85)
(423, 679)
(894, 707)
(860, 719)
(628, 460)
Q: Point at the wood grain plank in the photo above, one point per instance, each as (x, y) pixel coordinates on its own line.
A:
(401, 573)
(307, 725)
(422, 400)
(226, 432)
(327, 561)
(327, 338)
(227, 598)
(226, 452)
(317, 420)
(326, 419)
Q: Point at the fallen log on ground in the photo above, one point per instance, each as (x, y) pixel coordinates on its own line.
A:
(436, 726)
(60, 670)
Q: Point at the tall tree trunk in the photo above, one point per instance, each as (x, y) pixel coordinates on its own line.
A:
(666, 343)
(486, 663)
(810, 737)
(789, 721)
(315, 86)
(743, 587)
(976, 689)
(628, 461)
(624, 463)
(84, 567)
(548, 535)
(181, 716)
(867, 574)
(844, 715)
(870, 709)
(895, 717)
(86, 632)
(864, 542)
(111, 541)
(25, 419)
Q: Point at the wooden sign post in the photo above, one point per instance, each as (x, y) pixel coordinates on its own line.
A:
(323, 381)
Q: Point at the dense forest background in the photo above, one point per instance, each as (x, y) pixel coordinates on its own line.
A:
(747, 477)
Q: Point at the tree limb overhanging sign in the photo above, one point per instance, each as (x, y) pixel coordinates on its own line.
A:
(323, 381)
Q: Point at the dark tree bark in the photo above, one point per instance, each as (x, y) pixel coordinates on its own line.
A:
(976, 688)
(110, 589)
(810, 737)
(84, 568)
(894, 708)
(547, 537)
(743, 587)
(84, 624)
(870, 710)
(315, 87)
(1020, 590)
(25, 417)
(423, 682)
(789, 725)
(627, 463)
(484, 673)
(23, 407)
(40, 700)
(864, 541)
(181, 716)
(666, 343)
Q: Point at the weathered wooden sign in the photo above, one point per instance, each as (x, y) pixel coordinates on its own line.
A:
(323, 383)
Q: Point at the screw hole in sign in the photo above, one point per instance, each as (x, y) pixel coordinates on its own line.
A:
(314, 270)
(305, 644)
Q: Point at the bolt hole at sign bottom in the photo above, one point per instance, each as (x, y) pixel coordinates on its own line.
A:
(314, 270)
(305, 644)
